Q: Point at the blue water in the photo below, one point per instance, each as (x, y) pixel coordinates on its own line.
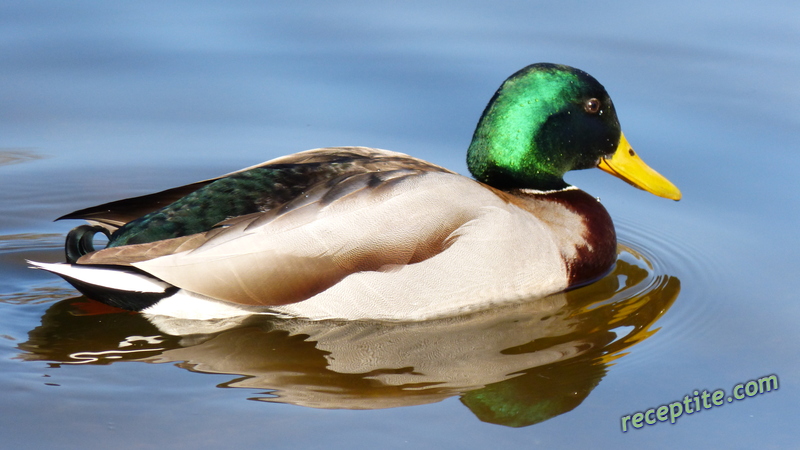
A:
(102, 101)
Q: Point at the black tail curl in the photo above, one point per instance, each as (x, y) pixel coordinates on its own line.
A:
(80, 241)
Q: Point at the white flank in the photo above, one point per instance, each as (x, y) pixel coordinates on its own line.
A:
(188, 305)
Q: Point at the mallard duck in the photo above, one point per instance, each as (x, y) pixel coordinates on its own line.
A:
(362, 233)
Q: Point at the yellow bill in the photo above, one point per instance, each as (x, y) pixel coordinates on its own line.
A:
(625, 164)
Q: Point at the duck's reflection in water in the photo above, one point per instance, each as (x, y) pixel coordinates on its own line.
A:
(514, 365)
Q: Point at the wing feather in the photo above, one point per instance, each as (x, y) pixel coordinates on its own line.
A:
(303, 252)
(390, 210)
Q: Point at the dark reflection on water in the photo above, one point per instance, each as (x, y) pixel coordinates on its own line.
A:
(515, 365)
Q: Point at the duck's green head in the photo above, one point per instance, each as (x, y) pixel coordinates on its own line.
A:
(548, 119)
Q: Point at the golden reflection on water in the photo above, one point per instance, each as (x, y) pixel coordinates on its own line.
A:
(514, 365)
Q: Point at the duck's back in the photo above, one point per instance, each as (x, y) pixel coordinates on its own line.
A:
(273, 185)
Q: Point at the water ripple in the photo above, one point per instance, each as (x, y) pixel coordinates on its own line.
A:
(30, 241)
(16, 156)
(668, 253)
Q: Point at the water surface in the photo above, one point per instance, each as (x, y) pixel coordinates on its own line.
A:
(103, 101)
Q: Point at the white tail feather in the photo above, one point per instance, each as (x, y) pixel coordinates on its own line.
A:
(123, 280)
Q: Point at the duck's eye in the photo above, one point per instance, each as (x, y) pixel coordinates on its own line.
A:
(591, 106)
